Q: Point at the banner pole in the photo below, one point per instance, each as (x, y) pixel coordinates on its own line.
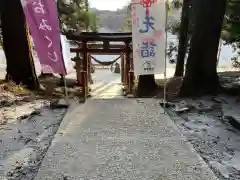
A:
(32, 63)
(65, 89)
(165, 61)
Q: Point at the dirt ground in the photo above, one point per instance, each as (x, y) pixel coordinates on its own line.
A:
(28, 123)
(212, 125)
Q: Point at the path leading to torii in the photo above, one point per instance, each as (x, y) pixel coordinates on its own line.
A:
(112, 138)
(121, 139)
(106, 85)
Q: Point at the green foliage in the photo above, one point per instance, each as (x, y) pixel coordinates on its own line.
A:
(128, 20)
(231, 29)
(75, 16)
(173, 5)
(93, 21)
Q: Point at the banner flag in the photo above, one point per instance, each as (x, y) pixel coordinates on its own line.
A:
(149, 37)
(42, 19)
(67, 55)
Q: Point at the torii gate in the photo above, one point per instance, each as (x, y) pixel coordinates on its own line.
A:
(85, 49)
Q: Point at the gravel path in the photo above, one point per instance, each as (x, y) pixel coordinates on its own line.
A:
(106, 85)
(121, 139)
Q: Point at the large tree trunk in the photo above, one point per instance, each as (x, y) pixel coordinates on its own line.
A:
(20, 65)
(146, 85)
(183, 39)
(201, 71)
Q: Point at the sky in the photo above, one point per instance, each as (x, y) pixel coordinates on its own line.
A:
(108, 4)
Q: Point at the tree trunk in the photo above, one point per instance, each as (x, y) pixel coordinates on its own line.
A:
(183, 39)
(20, 65)
(201, 70)
(146, 86)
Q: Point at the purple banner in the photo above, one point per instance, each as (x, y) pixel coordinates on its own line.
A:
(42, 18)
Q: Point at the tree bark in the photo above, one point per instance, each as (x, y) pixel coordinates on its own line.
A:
(146, 85)
(201, 69)
(183, 39)
(20, 64)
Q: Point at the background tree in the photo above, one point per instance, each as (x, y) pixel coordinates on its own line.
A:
(230, 32)
(183, 30)
(183, 39)
(128, 20)
(75, 16)
(231, 29)
(201, 68)
(20, 67)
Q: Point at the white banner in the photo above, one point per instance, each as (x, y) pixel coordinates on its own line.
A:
(69, 64)
(148, 33)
